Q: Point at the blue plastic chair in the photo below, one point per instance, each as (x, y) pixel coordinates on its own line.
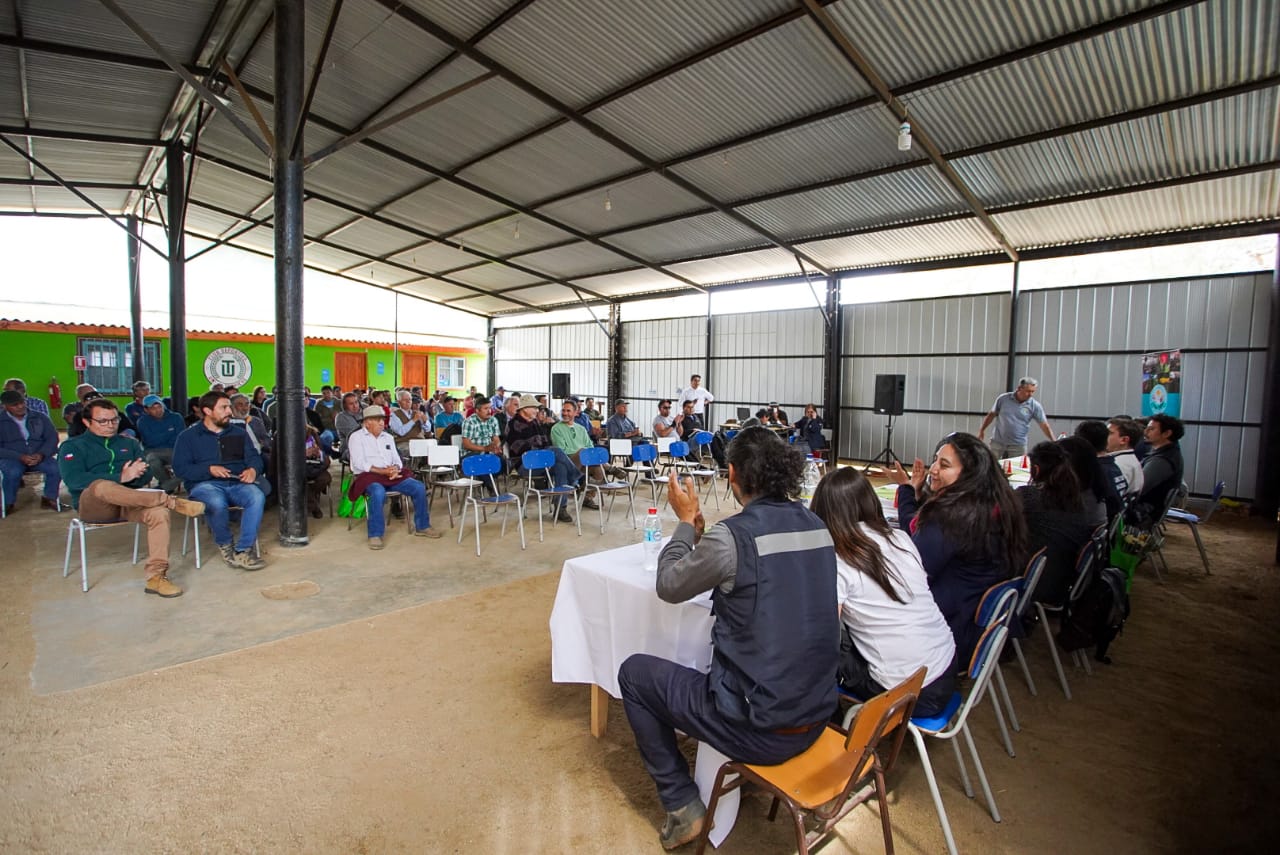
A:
(645, 468)
(953, 722)
(698, 471)
(481, 468)
(1083, 572)
(999, 605)
(1193, 522)
(1026, 588)
(543, 459)
(599, 456)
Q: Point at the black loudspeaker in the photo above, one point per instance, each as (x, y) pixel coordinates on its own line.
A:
(560, 386)
(891, 390)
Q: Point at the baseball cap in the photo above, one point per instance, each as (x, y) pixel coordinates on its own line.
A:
(152, 399)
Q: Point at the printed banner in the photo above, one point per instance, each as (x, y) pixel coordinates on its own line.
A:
(1162, 383)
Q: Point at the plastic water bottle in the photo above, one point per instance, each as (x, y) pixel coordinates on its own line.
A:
(811, 479)
(652, 540)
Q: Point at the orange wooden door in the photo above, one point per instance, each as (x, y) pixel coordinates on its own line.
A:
(351, 370)
(415, 370)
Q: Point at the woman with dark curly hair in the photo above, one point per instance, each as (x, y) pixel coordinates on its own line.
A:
(967, 526)
(1053, 508)
(892, 626)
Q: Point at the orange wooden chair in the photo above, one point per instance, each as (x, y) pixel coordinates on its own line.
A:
(822, 780)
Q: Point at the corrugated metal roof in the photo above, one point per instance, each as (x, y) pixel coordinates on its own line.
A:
(734, 268)
(1197, 49)
(546, 295)
(442, 206)
(1218, 135)
(374, 238)
(434, 289)
(329, 258)
(434, 257)
(912, 243)
(580, 50)
(574, 260)
(548, 164)
(174, 25)
(516, 233)
(362, 176)
(66, 93)
(321, 217)
(1236, 199)
(10, 87)
(787, 72)
(849, 143)
(636, 200)
(227, 188)
(682, 238)
(78, 161)
(495, 276)
(884, 199)
(627, 282)
(461, 19)
(50, 199)
(487, 304)
(905, 45)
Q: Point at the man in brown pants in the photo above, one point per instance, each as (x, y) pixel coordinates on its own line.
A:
(103, 472)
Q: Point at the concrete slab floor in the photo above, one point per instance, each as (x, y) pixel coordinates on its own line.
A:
(115, 630)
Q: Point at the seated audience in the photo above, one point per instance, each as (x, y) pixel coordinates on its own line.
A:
(568, 436)
(35, 405)
(619, 425)
(377, 468)
(777, 416)
(102, 471)
(590, 410)
(326, 409)
(1084, 462)
(508, 413)
(28, 443)
(194, 415)
(257, 402)
(447, 416)
(524, 433)
(137, 408)
(71, 412)
(1161, 470)
(809, 430)
(481, 433)
(498, 401)
(158, 429)
(966, 524)
(1122, 436)
(664, 422)
(407, 423)
(316, 470)
(581, 418)
(1109, 483)
(1053, 509)
(221, 468)
(892, 626)
(348, 421)
(687, 424)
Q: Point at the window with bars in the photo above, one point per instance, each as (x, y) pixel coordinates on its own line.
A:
(110, 365)
(451, 372)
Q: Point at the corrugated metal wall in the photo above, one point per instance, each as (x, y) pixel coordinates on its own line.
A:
(759, 357)
(1083, 345)
(953, 351)
(526, 357)
(657, 359)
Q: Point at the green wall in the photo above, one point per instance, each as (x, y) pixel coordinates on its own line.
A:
(35, 356)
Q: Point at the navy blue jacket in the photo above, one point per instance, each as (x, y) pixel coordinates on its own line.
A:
(42, 436)
(162, 432)
(198, 448)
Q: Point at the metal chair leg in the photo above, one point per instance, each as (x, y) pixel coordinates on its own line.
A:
(84, 564)
(1022, 662)
(933, 790)
(982, 775)
(66, 559)
(1195, 531)
(1053, 651)
(1008, 702)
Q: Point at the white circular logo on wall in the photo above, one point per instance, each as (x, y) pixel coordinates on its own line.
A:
(228, 366)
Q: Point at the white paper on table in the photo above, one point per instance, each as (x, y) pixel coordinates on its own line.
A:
(705, 768)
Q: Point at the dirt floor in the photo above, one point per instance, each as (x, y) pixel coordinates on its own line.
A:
(436, 728)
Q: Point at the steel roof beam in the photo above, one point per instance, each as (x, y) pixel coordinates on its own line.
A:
(316, 70)
(24, 94)
(83, 185)
(428, 26)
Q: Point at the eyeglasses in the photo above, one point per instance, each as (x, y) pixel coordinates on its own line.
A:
(114, 421)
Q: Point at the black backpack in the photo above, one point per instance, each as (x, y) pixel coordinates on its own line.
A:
(1098, 616)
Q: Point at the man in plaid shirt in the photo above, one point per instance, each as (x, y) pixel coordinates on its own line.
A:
(480, 432)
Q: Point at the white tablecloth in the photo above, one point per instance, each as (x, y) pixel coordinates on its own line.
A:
(606, 609)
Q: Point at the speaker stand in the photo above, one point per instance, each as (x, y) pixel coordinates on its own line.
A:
(886, 455)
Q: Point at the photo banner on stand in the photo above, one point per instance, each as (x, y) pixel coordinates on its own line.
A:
(1162, 383)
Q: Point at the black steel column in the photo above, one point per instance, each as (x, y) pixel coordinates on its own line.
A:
(614, 390)
(1014, 295)
(176, 196)
(1268, 479)
(706, 372)
(491, 342)
(135, 302)
(833, 364)
(291, 418)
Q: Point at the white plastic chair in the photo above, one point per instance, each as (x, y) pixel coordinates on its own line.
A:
(77, 525)
(443, 460)
(953, 722)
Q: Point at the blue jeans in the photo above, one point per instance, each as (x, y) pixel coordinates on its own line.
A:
(14, 469)
(563, 472)
(326, 442)
(660, 696)
(410, 487)
(221, 494)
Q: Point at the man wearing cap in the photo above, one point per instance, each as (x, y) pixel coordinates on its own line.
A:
(619, 426)
(525, 434)
(28, 442)
(499, 399)
(377, 468)
(158, 430)
(103, 472)
(221, 468)
(34, 405)
(136, 409)
(448, 416)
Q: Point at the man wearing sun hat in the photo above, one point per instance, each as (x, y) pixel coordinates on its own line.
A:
(158, 428)
(525, 434)
(377, 468)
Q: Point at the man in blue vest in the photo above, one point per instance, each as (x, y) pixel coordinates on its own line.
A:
(771, 570)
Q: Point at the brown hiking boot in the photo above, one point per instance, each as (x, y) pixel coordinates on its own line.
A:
(683, 825)
(247, 560)
(376, 543)
(187, 507)
(161, 586)
(427, 532)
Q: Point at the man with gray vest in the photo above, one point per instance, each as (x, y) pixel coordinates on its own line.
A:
(771, 570)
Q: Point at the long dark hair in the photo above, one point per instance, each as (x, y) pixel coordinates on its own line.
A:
(979, 509)
(844, 498)
(1053, 475)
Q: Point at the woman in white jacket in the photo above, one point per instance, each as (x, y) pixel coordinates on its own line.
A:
(892, 625)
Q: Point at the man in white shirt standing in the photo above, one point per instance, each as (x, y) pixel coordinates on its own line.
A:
(698, 394)
(377, 468)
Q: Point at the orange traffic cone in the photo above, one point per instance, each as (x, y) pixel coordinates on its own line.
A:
(1008, 467)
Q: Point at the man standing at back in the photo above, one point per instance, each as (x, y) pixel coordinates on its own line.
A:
(771, 570)
(698, 394)
(1013, 412)
(222, 468)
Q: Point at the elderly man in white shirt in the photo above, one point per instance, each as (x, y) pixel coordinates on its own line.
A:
(377, 468)
(698, 394)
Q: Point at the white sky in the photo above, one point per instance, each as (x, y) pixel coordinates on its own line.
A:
(76, 271)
